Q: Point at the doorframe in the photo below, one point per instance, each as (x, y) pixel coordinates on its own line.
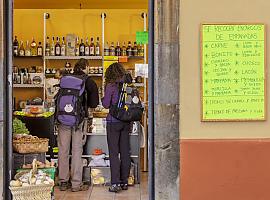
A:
(8, 100)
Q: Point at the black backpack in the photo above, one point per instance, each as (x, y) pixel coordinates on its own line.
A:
(129, 106)
(71, 106)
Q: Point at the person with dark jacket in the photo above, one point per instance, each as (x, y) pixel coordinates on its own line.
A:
(73, 135)
(117, 131)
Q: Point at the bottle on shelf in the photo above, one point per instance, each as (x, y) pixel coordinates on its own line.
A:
(63, 47)
(112, 50)
(21, 49)
(24, 78)
(82, 48)
(97, 49)
(19, 78)
(39, 49)
(27, 49)
(57, 47)
(106, 49)
(92, 47)
(135, 49)
(52, 48)
(15, 47)
(124, 50)
(29, 80)
(118, 49)
(77, 47)
(47, 47)
(141, 50)
(87, 47)
(33, 47)
(129, 49)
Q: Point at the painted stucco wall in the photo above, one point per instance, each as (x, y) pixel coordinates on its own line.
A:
(192, 14)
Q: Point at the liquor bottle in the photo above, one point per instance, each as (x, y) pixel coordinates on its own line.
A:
(63, 47)
(21, 50)
(97, 47)
(129, 49)
(118, 49)
(39, 49)
(33, 48)
(57, 47)
(124, 50)
(92, 47)
(19, 78)
(106, 49)
(86, 48)
(27, 49)
(47, 48)
(135, 49)
(82, 48)
(112, 50)
(52, 48)
(77, 47)
(15, 47)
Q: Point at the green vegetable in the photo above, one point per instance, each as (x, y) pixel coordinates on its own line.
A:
(19, 127)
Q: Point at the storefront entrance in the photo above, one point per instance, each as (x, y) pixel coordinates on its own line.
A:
(107, 26)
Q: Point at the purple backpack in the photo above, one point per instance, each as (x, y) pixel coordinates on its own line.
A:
(71, 108)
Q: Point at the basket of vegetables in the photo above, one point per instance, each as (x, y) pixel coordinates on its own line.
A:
(33, 185)
(25, 143)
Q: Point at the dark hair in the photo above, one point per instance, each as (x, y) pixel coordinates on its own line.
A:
(81, 65)
(114, 72)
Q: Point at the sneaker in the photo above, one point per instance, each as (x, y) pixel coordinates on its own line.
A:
(115, 188)
(124, 186)
(81, 188)
(64, 186)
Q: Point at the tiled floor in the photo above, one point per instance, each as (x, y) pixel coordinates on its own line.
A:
(137, 192)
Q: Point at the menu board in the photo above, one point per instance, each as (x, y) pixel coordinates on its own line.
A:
(233, 72)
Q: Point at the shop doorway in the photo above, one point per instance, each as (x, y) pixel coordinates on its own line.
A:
(21, 15)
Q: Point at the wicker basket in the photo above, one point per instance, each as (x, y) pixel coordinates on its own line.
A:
(34, 192)
(31, 146)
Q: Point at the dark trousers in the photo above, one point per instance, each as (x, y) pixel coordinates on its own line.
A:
(118, 142)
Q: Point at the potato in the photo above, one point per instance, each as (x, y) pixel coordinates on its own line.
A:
(15, 183)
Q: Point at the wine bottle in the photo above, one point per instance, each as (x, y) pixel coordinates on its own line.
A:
(47, 47)
(15, 47)
(77, 47)
(97, 47)
(92, 47)
(82, 48)
(135, 49)
(52, 48)
(124, 50)
(106, 49)
(129, 49)
(39, 49)
(87, 48)
(118, 49)
(63, 47)
(112, 50)
(57, 47)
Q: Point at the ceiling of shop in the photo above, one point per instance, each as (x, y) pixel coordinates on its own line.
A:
(77, 4)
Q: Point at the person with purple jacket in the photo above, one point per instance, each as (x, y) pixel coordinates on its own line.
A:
(117, 131)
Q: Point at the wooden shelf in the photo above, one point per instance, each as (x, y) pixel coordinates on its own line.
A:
(28, 57)
(28, 85)
(73, 57)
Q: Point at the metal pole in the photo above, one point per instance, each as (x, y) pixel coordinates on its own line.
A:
(8, 62)
(145, 101)
(45, 17)
(103, 44)
(151, 75)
